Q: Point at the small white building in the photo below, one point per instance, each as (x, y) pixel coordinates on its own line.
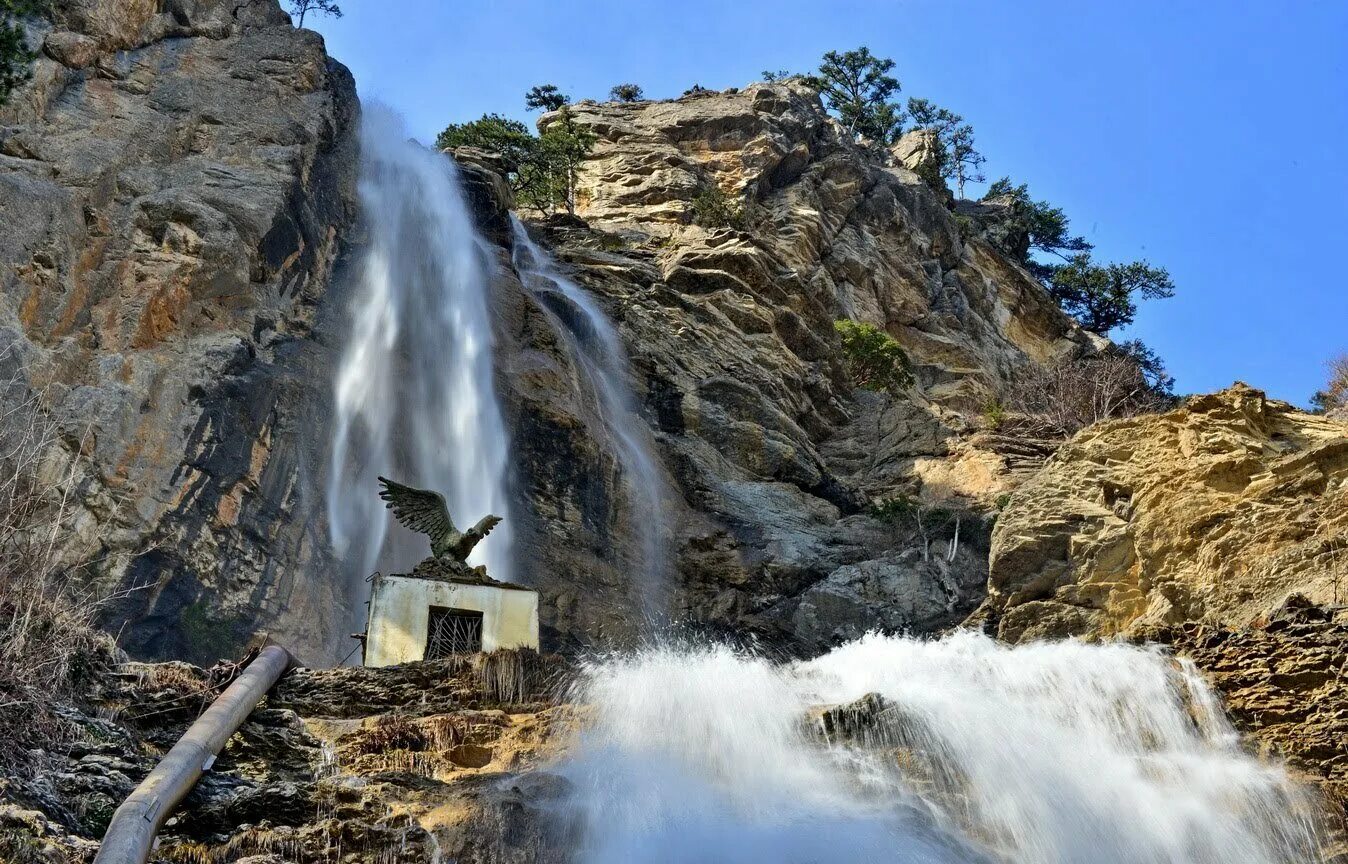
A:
(413, 618)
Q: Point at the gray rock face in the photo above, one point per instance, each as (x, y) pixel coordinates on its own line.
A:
(182, 175)
(771, 455)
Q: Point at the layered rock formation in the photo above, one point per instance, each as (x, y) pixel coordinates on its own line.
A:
(1213, 512)
(1285, 683)
(178, 177)
(188, 174)
(773, 457)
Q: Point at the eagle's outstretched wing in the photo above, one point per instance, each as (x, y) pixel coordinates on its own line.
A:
(419, 509)
(484, 526)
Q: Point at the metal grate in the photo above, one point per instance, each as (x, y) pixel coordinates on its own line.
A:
(453, 631)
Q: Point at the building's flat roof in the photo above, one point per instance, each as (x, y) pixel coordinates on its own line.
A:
(432, 570)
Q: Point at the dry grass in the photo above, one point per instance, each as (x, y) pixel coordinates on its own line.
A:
(48, 640)
(1334, 398)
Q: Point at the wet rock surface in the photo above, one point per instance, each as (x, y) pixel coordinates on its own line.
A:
(179, 288)
(1285, 683)
(771, 457)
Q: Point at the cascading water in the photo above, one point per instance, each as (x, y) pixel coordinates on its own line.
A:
(1041, 754)
(414, 398)
(599, 353)
(1058, 753)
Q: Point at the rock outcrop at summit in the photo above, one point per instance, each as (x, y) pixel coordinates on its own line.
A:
(177, 180)
(1214, 512)
(772, 456)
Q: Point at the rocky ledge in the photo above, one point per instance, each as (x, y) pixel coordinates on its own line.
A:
(1284, 682)
(420, 760)
(1214, 512)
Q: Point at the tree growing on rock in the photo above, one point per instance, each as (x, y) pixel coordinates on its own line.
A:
(966, 163)
(1033, 226)
(626, 93)
(301, 8)
(551, 178)
(510, 139)
(874, 359)
(857, 86)
(541, 169)
(1335, 395)
(1103, 297)
(16, 56)
(545, 97)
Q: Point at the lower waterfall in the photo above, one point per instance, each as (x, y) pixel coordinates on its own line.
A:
(414, 397)
(968, 751)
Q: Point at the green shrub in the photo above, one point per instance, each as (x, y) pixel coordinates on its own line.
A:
(994, 414)
(626, 93)
(874, 360)
(16, 55)
(712, 208)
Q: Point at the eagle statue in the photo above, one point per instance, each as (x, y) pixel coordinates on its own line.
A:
(425, 511)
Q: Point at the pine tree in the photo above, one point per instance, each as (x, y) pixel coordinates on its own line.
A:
(856, 85)
(323, 7)
(1103, 297)
(545, 97)
(966, 163)
(16, 55)
(626, 93)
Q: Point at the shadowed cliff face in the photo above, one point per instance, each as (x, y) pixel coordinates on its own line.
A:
(180, 177)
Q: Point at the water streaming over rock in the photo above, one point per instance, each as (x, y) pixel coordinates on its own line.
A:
(414, 398)
(1042, 754)
(593, 341)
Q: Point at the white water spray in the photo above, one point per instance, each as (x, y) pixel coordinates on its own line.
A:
(414, 398)
(1042, 754)
(598, 351)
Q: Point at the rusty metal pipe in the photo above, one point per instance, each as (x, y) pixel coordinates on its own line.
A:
(130, 835)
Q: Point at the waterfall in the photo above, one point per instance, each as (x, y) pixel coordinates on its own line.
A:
(598, 351)
(414, 399)
(1049, 753)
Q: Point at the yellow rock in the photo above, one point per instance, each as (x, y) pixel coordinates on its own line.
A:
(1215, 511)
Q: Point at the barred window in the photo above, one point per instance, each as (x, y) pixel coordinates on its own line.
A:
(453, 631)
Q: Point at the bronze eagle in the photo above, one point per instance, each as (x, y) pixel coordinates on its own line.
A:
(425, 511)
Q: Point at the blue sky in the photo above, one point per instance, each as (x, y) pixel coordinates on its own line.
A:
(1206, 141)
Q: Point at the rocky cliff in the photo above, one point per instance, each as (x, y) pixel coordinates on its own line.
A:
(1213, 512)
(423, 762)
(178, 179)
(188, 172)
(772, 456)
